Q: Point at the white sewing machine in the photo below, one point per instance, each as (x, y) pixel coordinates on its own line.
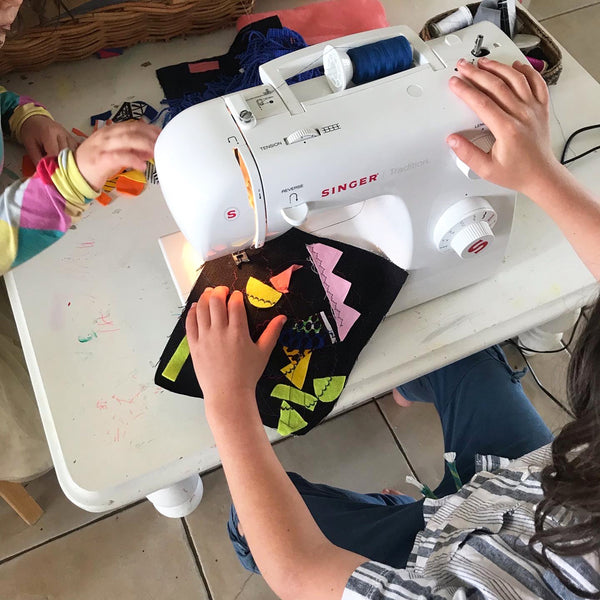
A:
(367, 165)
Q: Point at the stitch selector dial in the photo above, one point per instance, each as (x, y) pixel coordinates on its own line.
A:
(466, 227)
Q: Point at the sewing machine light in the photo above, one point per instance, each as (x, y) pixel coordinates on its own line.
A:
(246, 176)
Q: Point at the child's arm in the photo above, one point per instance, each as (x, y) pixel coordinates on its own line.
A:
(513, 103)
(33, 126)
(38, 211)
(293, 555)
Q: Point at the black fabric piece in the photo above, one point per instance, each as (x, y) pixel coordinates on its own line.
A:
(375, 284)
(177, 81)
(124, 113)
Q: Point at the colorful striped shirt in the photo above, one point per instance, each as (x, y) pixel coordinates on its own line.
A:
(475, 544)
(38, 211)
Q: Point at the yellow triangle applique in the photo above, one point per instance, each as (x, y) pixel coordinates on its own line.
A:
(298, 367)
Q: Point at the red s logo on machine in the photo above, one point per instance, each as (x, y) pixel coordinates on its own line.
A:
(231, 214)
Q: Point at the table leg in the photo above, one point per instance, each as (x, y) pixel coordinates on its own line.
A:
(180, 499)
(16, 495)
(549, 335)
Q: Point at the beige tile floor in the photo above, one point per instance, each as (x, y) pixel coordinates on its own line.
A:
(136, 554)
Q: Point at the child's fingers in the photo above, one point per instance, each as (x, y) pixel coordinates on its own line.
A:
(266, 342)
(72, 143)
(202, 310)
(191, 324)
(218, 307)
(471, 155)
(491, 85)
(480, 103)
(128, 134)
(53, 146)
(513, 79)
(536, 82)
(34, 151)
(237, 311)
(113, 161)
(122, 141)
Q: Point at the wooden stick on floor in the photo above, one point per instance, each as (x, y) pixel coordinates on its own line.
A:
(18, 498)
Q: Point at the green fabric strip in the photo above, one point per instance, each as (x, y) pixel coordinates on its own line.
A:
(177, 361)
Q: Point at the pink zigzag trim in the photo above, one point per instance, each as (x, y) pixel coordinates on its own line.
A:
(325, 258)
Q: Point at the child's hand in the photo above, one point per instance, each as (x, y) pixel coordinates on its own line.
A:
(115, 147)
(43, 136)
(227, 362)
(513, 103)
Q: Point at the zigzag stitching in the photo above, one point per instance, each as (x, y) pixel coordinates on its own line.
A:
(327, 287)
(329, 380)
(267, 302)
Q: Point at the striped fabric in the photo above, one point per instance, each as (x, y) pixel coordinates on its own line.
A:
(38, 211)
(475, 544)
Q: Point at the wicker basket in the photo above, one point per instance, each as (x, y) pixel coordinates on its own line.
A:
(118, 26)
(525, 24)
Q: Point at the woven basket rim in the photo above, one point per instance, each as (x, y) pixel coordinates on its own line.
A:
(547, 43)
(117, 26)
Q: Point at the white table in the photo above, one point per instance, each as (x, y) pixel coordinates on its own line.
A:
(114, 436)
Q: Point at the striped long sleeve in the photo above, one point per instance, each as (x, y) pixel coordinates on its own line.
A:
(38, 211)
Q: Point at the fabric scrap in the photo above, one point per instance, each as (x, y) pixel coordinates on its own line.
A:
(260, 294)
(375, 284)
(325, 258)
(105, 116)
(322, 21)
(151, 174)
(189, 83)
(328, 389)
(124, 113)
(281, 281)
(313, 332)
(298, 367)
(131, 183)
(290, 420)
(285, 392)
(111, 182)
(104, 199)
(174, 366)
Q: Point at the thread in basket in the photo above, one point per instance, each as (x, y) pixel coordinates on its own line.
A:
(366, 63)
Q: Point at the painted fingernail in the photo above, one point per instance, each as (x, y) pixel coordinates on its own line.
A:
(451, 141)
(483, 60)
(461, 61)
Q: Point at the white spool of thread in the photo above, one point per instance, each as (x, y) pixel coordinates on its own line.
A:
(460, 18)
(338, 68)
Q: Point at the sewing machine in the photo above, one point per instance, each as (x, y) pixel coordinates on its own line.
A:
(367, 165)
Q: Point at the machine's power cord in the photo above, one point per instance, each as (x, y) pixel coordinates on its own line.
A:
(538, 382)
(566, 346)
(564, 161)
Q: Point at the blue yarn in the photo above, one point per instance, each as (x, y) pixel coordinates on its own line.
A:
(379, 59)
(260, 49)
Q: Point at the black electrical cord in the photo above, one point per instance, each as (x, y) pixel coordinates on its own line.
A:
(570, 139)
(538, 382)
(565, 346)
(523, 349)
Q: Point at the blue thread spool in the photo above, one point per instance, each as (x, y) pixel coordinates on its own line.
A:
(366, 63)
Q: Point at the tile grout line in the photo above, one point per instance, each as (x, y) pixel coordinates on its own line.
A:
(567, 12)
(192, 546)
(64, 534)
(396, 439)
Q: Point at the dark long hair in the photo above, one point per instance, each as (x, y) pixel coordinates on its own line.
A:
(572, 481)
